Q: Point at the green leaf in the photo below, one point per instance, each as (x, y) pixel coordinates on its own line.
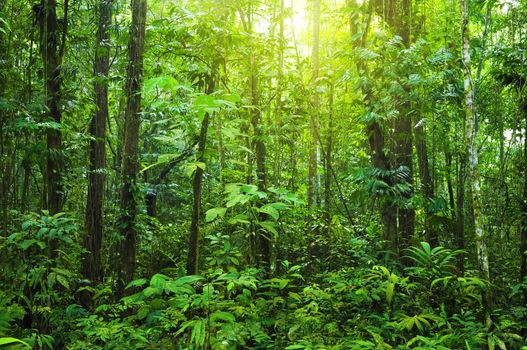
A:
(189, 279)
(143, 312)
(214, 213)
(269, 226)
(223, 316)
(27, 243)
(11, 341)
(136, 283)
(269, 209)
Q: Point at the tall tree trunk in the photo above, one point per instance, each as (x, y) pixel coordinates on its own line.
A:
(193, 244)
(375, 136)
(264, 241)
(427, 186)
(130, 161)
(403, 138)
(328, 159)
(278, 138)
(91, 260)
(46, 13)
(472, 157)
(312, 183)
(388, 209)
(523, 207)
(460, 210)
(3, 158)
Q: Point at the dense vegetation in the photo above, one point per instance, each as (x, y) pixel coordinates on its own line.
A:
(263, 174)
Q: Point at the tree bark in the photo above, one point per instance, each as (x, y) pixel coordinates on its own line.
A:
(312, 185)
(91, 260)
(130, 157)
(523, 207)
(328, 159)
(46, 14)
(472, 157)
(427, 186)
(460, 211)
(264, 241)
(4, 222)
(403, 136)
(193, 246)
(388, 210)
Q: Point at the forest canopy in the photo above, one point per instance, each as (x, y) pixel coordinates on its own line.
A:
(263, 174)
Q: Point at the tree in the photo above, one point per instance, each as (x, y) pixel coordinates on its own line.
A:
(193, 245)
(313, 186)
(46, 15)
(130, 156)
(92, 266)
(471, 154)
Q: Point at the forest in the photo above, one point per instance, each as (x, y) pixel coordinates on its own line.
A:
(263, 174)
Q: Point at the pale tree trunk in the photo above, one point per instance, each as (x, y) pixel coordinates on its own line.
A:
(91, 260)
(472, 156)
(130, 157)
(328, 159)
(278, 105)
(312, 180)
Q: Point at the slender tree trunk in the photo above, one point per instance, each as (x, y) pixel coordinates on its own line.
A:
(46, 13)
(426, 180)
(193, 245)
(264, 241)
(450, 186)
(523, 207)
(91, 260)
(472, 157)
(258, 145)
(403, 136)
(460, 210)
(278, 104)
(312, 188)
(4, 223)
(221, 151)
(328, 159)
(130, 157)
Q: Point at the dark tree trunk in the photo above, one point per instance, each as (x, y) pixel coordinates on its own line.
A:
(91, 260)
(264, 241)
(403, 137)
(193, 242)
(450, 186)
(46, 13)
(403, 153)
(151, 196)
(130, 157)
(328, 160)
(388, 210)
(460, 211)
(3, 158)
(523, 233)
(427, 186)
